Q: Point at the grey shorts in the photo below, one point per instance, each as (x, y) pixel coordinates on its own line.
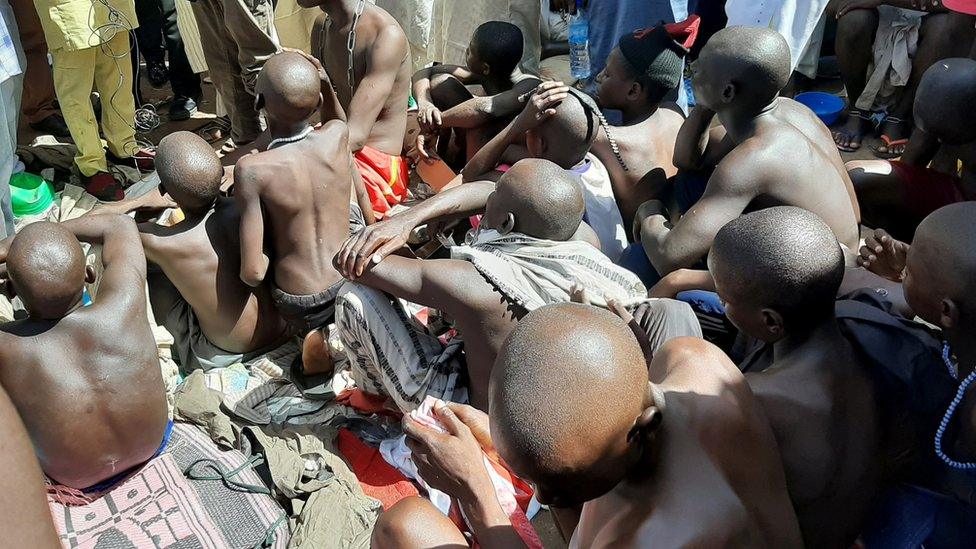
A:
(305, 313)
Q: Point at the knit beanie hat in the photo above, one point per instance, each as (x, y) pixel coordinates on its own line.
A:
(657, 52)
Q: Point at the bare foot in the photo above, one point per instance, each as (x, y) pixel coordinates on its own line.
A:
(316, 354)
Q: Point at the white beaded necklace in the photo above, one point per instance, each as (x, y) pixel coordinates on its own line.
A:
(297, 137)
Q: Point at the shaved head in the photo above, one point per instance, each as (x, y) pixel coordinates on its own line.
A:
(189, 170)
(565, 391)
(951, 116)
(289, 87)
(544, 200)
(941, 268)
(568, 135)
(47, 268)
(785, 259)
(745, 67)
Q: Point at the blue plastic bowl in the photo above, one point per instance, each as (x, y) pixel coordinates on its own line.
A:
(826, 106)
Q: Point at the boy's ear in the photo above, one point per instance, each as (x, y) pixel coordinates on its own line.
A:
(508, 225)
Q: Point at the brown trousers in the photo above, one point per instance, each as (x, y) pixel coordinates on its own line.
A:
(238, 37)
(37, 102)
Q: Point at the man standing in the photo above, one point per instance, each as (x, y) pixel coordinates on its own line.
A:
(11, 80)
(239, 36)
(37, 105)
(90, 46)
(157, 26)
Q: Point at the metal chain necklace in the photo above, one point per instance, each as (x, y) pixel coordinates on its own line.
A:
(351, 47)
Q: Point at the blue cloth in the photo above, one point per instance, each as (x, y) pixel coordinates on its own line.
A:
(106, 485)
(689, 188)
(634, 259)
(908, 517)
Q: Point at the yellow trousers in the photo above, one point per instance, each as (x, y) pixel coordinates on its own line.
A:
(107, 69)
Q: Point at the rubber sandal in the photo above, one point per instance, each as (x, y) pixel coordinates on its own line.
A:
(857, 113)
(889, 143)
(316, 387)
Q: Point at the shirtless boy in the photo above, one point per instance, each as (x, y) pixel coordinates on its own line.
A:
(484, 297)
(641, 71)
(444, 101)
(683, 459)
(215, 319)
(86, 380)
(896, 195)
(560, 125)
(370, 95)
(778, 271)
(782, 153)
(294, 198)
(25, 518)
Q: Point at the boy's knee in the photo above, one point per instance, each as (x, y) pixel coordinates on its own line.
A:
(857, 23)
(447, 91)
(414, 522)
(947, 28)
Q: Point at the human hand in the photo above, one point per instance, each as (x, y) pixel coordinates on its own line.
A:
(884, 256)
(635, 321)
(427, 145)
(668, 287)
(154, 200)
(323, 74)
(451, 462)
(370, 245)
(541, 105)
(429, 117)
(848, 5)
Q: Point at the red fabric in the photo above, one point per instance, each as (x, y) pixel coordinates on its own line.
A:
(366, 403)
(683, 32)
(385, 178)
(378, 478)
(962, 6)
(925, 190)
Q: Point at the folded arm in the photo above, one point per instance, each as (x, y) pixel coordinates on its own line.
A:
(479, 110)
(726, 196)
(123, 259)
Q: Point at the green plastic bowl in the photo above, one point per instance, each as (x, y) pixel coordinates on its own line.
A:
(30, 194)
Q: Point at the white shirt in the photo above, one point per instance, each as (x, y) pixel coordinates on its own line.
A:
(602, 212)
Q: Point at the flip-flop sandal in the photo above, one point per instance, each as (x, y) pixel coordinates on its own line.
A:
(314, 387)
(889, 143)
(857, 113)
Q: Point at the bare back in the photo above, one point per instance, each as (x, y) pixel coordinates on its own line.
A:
(330, 46)
(792, 160)
(717, 479)
(304, 190)
(202, 259)
(826, 418)
(647, 148)
(88, 388)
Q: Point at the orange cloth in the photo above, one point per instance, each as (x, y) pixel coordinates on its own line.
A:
(378, 478)
(385, 177)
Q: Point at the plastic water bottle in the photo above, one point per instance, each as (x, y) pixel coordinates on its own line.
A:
(579, 44)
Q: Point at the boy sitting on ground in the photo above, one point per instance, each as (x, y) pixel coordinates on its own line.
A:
(680, 457)
(559, 124)
(294, 201)
(778, 271)
(216, 320)
(781, 153)
(897, 194)
(444, 101)
(641, 71)
(86, 380)
(521, 258)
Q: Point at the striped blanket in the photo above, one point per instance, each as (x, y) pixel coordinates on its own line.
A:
(160, 507)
